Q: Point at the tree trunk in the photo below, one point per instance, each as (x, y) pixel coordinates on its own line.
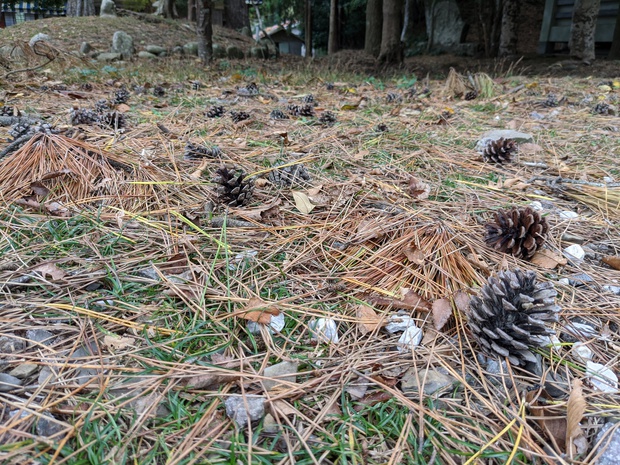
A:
(191, 11)
(374, 24)
(236, 14)
(308, 31)
(391, 48)
(614, 53)
(167, 9)
(581, 42)
(334, 34)
(204, 29)
(80, 8)
(508, 34)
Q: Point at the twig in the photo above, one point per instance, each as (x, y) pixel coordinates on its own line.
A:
(15, 145)
(561, 180)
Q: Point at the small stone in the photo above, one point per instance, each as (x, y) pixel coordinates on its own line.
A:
(568, 215)
(270, 426)
(108, 56)
(498, 372)
(10, 344)
(46, 375)
(537, 206)
(608, 448)
(574, 252)
(573, 238)
(85, 48)
(410, 338)
(398, 323)
(582, 351)
(9, 383)
(122, 43)
(244, 408)
(155, 49)
(24, 370)
(432, 380)
(580, 279)
(602, 378)
(324, 330)
(613, 289)
(48, 426)
(283, 373)
(107, 9)
(143, 54)
(40, 336)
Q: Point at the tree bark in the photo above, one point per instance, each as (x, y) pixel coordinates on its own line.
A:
(308, 31)
(374, 25)
(204, 29)
(508, 33)
(191, 11)
(334, 34)
(80, 8)
(167, 9)
(236, 14)
(582, 42)
(391, 47)
(614, 53)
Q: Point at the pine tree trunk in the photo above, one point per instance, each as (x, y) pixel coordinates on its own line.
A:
(374, 25)
(332, 42)
(167, 9)
(508, 33)
(237, 15)
(191, 11)
(582, 42)
(204, 29)
(308, 31)
(391, 47)
(80, 8)
(614, 53)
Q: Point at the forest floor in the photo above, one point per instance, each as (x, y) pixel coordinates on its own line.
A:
(143, 321)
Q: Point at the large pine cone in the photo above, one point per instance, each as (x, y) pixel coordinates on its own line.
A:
(234, 189)
(511, 314)
(499, 151)
(292, 175)
(519, 232)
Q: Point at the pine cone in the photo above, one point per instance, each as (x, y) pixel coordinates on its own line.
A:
(471, 95)
(237, 116)
(6, 110)
(499, 151)
(234, 189)
(102, 106)
(196, 85)
(381, 127)
(86, 86)
(216, 111)
(112, 119)
(329, 86)
(519, 232)
(278, 114)
(301, 110)
(82, 116)
(551, 101)
(121, 96)
(327, 118)
(309, 99)
(393, 97)
(604, 108)
(19, 129)
(292, 175)
(511, 314)
(195, 151)
(159, 91)
(249, 91)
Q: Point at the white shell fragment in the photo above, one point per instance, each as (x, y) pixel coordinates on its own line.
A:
(568, 215)
(398, 323)
(410, 338)
(582, 351)
(536, 205)
(276, 324)
(601, 377)
(242, 258)
(574, 252)
(325, 330)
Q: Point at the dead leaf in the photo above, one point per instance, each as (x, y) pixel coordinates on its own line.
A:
(361, 154)
(550, 420)
(367, 318)
(461, 301)
(258, 311)
(613, 261)
(56, 174)
(418, 189)
(116, 342)
(122, 108)
(575, 409)
(259, 214)
(176, 264)
(302, 202)
(442, 311)
(414, 255)
(282, 407)
(315, 190)
(547, 259)
(374, 398)
(369, 229)
(50, 269)
(39, 189)
(410, 301)
(57, 209)
(211, 380)
(511, 182)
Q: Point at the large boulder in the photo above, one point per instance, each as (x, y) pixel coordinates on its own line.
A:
(232, 51)
(40, 37)
(155, 49)
(122, 43)
(191, 48)
(145, 54)
(108, 8)
(109, 56)
(218, 51)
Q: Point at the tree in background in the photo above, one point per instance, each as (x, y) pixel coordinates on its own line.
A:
(204, 29)
(308, 29)
(582, 42)
(333, 43)
(508, 32)
(167, 9)
(391, 47)
(614, 53)
(374, 25)
(80, 8)
(236, 14)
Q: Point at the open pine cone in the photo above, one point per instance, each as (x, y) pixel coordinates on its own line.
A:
(499, 151)
(519, 232)
(511, 314)
(234, 189)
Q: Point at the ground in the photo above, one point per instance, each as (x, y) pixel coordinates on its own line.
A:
(147, 308)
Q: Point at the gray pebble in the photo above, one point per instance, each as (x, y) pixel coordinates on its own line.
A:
(9, 383)
(237, 410)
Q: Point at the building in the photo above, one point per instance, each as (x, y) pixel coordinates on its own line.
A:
(286, 40)
(25, 11)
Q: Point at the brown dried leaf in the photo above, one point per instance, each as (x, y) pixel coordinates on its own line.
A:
(116, 342)
(553, 425)
(461, 301)
(211, 380)
(361, 154)
(442, 311)
(50, 269)
(613, 261)
(283, 408)
(302, 202)
(374, 398)
(547, 259)
(575, 409)
(369, 229)
(258, 214)
(176, 264)
(418, 189)
(410, 301)
(258, 311)
(39, 189)
(414, 255)
(122, 108)
(57, 209)
(367, 318)
(56, 174)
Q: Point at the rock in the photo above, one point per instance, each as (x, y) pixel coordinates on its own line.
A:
(46, 376)
(613, 289)
(573, 238)
(143, 404)
(608, 448)
(84, 355)
(48, 426)
(276, 324)
(234, 52)
(10, 343)
(155, 49)
(191, 48)
(568, 215)
(518, 137)
(498, 372)
(178, 50)
(23, 370)
(602, 378)
(574, 253)
(259, 52)
(108, 9)
(85, 48)
(582, 351)
(106, 56)
(218, 51)
(144, 54)
(270, 426)
(40, 37)
(324, 330)
(410, 338)
(432, 380)
(283, 372)
(399, 322)
(40, 336)
(445, 26)
(122, 43)
(9, 383)
(244, 408)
